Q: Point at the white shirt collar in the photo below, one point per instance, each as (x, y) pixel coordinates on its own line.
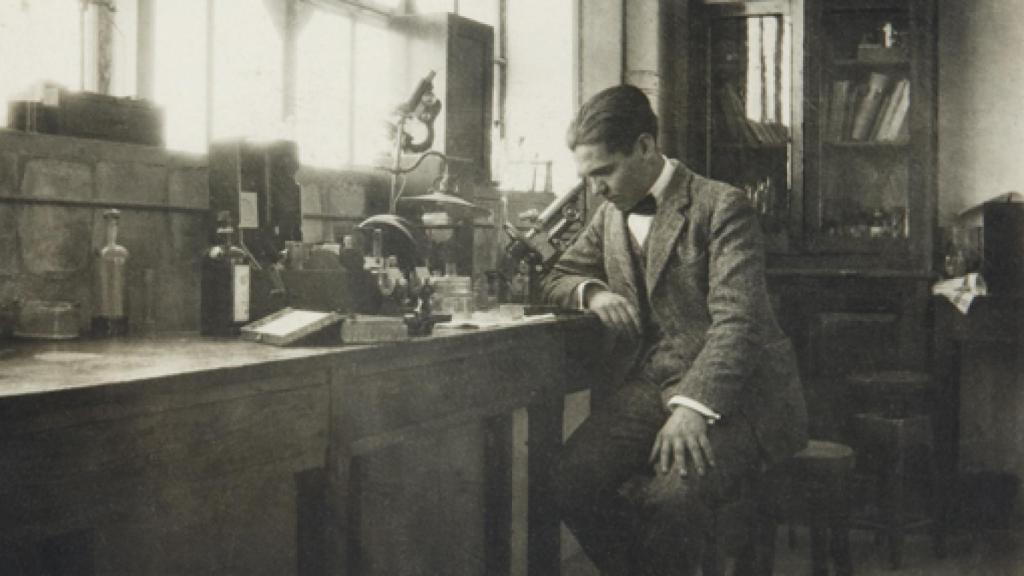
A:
(658, 188)
(640, 224)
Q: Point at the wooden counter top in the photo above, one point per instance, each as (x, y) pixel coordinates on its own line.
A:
(37, 367)
(40, 367)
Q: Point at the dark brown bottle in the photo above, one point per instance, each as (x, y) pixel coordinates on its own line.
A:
(225, 290)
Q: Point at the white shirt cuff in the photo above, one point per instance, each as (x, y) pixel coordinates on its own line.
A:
(692, 404)
(581, 290)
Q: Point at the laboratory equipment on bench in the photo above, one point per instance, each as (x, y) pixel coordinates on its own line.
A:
(552, 231)
(422, 106)
(110, 316)
(255, 183)
(446, 220)
(225, 284)
(47, 320)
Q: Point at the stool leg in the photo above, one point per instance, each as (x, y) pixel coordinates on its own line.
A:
(762, 562)
(839, 527)
(893, 511)
(839, 534)
(940, 505)
(819, 549)
(711, 560)
(818, 501)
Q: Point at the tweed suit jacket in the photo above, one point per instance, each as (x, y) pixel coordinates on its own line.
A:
(705, 287)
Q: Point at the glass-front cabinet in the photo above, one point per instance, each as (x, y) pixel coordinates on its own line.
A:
(823, 112)
(748, 130)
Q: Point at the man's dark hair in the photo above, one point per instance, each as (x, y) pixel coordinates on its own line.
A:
(615, 117)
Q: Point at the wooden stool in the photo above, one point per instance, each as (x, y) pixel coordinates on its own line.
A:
(730, 543)
(811, 488)
(894, 425)
(891, 393)
(884, 446)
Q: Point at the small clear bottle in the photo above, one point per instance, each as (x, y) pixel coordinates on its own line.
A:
(111, 310)
(225, 284)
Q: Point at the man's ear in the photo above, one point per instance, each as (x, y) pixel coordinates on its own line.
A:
(646, 145)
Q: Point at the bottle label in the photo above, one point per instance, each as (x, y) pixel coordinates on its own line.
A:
(240, 292)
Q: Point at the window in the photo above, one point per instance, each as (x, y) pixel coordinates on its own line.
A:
(349, 70)
(377, 90)
(124, 51)
(346, 87)
(248, 69)
(39, 41)
(540, 94)
(179, 85)
(323, 100)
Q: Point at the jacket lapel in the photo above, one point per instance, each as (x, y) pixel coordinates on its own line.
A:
(617, 241)
(669, 222)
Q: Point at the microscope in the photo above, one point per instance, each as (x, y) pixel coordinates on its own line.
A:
(550, 233)
(422, 108)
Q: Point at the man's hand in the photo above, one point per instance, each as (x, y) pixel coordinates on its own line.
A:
(685, 431)
(615, 312)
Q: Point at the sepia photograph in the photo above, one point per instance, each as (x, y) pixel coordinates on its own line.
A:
(511, 287)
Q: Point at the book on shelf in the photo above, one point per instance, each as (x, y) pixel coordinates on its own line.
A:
(733, 117)
(744, 130)
(884, 113)
(868, 106)
(837, 110)
(895, 126)
(730, 125)
(854, 98)
(869, 111)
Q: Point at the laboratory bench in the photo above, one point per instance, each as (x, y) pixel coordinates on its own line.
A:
(193, 455)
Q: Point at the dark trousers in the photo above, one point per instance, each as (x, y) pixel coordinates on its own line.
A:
(630, 520)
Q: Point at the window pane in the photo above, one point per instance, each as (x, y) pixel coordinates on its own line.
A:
(485, 11)
(124, 53)
(385, 4)
(247, 69)
(377, 90)
(179, 85)
(39, 40)
(323, 91)
(539, 112)
(429, 6)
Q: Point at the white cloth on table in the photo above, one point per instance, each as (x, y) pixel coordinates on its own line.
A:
(961, 290)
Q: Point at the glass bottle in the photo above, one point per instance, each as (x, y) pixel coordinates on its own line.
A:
(111, 316)
(520, 290)
(351, 256)
(225, 284)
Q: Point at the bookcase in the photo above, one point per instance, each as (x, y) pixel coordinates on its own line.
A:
(823, 111)
(870, 148)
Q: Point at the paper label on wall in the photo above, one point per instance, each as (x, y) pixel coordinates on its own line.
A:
(248, 214)
(240, 292)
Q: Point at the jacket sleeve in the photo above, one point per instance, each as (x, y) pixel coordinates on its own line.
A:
(582, 261)
(736, 302)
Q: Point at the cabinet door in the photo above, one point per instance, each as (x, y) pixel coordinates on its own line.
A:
(468, 119)
(748, 124)
(870, 135)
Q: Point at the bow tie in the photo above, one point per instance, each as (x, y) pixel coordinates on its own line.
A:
(647, 206)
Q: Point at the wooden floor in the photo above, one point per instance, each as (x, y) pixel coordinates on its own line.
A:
(992, 554)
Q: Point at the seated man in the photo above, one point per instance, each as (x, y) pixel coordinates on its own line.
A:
(673, 265)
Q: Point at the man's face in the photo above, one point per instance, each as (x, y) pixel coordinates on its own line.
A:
(622, 179)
